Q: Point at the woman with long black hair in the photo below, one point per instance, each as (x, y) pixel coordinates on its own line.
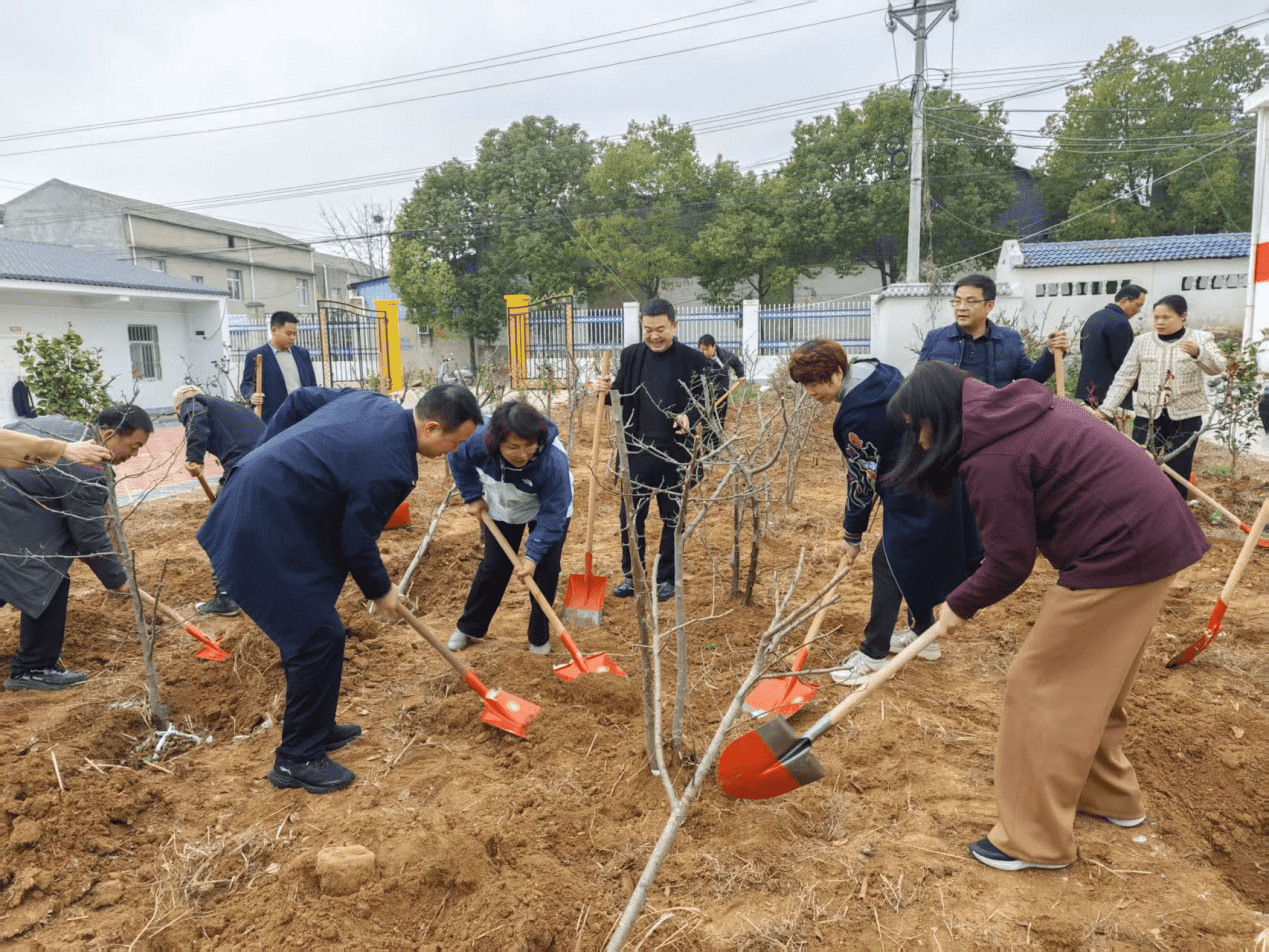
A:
(1045, 476)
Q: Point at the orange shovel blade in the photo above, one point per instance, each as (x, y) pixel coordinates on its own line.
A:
(767, 762)
(595, 664)
(502, 710)
(211, 650)
(584, 597)
(783, 696)
(1208, 636)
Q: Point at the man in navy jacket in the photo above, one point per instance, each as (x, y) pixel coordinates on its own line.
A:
(1104, 342)
(285, 366)
(303, 511)
(226, 430)
(992, 353)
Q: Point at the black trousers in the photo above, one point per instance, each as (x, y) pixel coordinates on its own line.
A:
(1168, 435)
(649, 474)
(40, 641)
(884, 611)
(314, 669)
(492, 576)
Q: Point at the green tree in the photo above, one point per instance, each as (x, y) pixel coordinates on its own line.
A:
(750, 247)
(64, 375)
(647, 199)
(849, 173)
(1130, 150)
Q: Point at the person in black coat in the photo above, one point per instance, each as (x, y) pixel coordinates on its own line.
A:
(302, 512)
(228, 431)
(1104, 342)
(661, 385)
(721, 363)
(285, 367)
(49, 517)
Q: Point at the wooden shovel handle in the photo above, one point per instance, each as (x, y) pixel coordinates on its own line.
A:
(259, 366)
(594, 458)
(432, 640)
(719, 402)
(202, 481)
(151, 602)
(1059, 373)
(487, 519)
(813, 632)
(1244, 557)
(877, 680)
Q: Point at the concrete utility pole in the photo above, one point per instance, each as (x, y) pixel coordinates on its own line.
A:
(919, 31)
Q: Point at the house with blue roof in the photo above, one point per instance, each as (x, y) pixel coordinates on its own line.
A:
(155, 331)
(1060, 283)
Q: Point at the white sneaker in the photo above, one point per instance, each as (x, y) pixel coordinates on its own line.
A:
(458, 641)
(901, 639)
(857, 668)
(544, 648)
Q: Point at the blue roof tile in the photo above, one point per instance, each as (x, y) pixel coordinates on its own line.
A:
(1117, 250)
(62, 264)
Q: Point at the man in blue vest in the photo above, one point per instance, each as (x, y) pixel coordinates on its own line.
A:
(286, 366)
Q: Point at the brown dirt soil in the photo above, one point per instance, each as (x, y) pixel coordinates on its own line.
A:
(482, 840)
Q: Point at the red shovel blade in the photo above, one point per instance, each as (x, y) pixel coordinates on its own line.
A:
(767, 762)
(211, 650)
(1208, 636)
(502, 710)
(783, 696)
(595, 664)
(584, 597)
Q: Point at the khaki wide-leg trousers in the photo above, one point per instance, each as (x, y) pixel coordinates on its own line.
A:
(1062, 730)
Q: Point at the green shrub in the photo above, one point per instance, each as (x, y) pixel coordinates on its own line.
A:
(64, 375)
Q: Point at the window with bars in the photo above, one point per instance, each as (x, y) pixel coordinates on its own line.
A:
(143, 347)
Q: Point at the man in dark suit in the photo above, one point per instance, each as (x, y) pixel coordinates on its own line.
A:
(285, 368)
(226, 430)
(303, 510)
(1104, 342)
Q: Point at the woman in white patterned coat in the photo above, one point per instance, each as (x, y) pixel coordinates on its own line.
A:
(1168, 367)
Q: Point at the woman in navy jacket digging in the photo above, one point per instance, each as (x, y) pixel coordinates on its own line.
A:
(515, 467)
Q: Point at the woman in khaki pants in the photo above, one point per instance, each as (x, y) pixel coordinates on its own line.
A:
(1045, 476)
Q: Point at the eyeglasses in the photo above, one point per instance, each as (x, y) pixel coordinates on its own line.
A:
(967, 302)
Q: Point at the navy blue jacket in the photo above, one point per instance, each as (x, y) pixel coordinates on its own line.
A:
(541, 491)
(1007, 359)
(720, 367)
(273, 385)
(1105, 340)
(930, 545)
(223, 428)
(305, 508)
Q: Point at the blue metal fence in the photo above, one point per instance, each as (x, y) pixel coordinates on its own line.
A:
(725, 326)
(784, 327)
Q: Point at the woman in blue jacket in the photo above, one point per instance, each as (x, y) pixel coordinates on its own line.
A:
(515, 467)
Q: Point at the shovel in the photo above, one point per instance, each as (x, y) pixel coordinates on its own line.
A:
(202, 481)
(259, 407)
(584, 597)
(1059, 373)
(502, 710)
(785, 696)
(596, 663)
(1227, 593)
(773, 760)
(211, 650)
(1263, 543)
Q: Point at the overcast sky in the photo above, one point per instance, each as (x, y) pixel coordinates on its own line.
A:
(75, 63)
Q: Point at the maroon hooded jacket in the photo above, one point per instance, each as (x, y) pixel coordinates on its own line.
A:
(1044, 474)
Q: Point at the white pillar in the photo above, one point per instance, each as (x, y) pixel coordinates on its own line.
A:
(630, 321)
(1256, 320)
(750, 328)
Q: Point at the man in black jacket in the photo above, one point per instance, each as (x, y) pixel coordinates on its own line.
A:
(721, 363)
(1104, 342)
(228, 431)
(661, 385)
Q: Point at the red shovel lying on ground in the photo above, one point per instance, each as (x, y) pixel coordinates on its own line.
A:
(596, 663)
(584, 597)
(502, 710)
(773, 760)
(785, 696)
(1235, 576)
(211, 650)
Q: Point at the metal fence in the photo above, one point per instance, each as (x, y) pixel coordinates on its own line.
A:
(784, 327)
(725, 326)
(347, 343)
(546, 339)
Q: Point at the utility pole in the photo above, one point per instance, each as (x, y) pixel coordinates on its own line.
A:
(916, 184)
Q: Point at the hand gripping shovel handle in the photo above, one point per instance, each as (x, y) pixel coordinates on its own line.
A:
(594, 464)
(1227, 593)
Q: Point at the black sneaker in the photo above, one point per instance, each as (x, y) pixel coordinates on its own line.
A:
(49, 679)
(341, 735)
(987, 854)
(665, 591)
(317, 776)
(220, 605)
(624, 590)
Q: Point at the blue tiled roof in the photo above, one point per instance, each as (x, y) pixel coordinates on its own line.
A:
(1116, 250)
(62, 264)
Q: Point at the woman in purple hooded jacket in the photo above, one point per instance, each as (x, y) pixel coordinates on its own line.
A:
(1044, 476)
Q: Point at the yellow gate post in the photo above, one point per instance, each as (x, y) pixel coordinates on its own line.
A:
(517, 337)
(390, 347)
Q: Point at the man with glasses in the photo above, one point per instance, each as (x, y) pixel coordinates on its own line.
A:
(982, 348)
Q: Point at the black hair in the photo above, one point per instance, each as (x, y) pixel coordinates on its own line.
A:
(282, 317)
(1129, 292)
(656, 307)
(125, 419)
(931, 394)
(516, 418)
(449, 404)
(1176, 302)
(707, 340)
(980, 281)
